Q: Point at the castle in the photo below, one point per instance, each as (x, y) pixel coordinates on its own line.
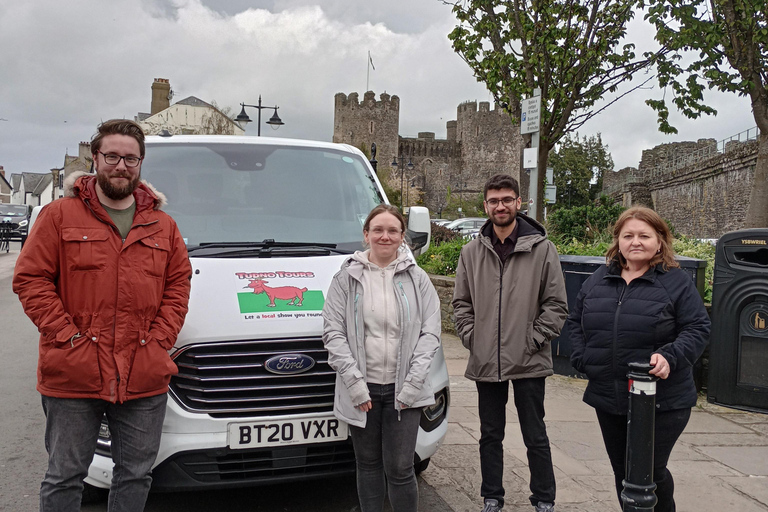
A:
(480, 143)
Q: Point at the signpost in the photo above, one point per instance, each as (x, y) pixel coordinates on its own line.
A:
(530, 120)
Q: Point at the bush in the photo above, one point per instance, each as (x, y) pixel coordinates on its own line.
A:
(586, 223)
(441, 234)
(442, 259)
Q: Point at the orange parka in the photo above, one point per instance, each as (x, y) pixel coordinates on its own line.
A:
(127, 300)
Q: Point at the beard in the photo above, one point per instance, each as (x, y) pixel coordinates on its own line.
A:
(114, 192)
(506, 222)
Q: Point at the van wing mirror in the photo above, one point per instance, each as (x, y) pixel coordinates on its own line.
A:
(33, 218)
(419, 229)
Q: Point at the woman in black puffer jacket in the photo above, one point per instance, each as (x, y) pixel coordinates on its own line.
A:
(640, 307)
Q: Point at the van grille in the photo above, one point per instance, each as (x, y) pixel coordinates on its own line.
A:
(229, 379)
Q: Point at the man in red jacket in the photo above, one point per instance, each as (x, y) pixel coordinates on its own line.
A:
(105, 277)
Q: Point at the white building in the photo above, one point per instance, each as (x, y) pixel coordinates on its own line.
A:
(190, 116)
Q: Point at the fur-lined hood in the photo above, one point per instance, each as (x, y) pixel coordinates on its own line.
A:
(70, 189)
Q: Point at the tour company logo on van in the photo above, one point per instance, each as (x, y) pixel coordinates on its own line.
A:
(278, 294)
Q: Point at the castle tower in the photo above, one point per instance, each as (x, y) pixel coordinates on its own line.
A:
(490, 143)
(361, 123)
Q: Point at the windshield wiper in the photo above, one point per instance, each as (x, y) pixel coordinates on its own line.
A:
(267, 249)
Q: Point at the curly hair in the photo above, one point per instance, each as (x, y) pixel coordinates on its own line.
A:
(118, 127)
(665, 256)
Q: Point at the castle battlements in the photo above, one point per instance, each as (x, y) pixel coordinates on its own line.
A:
(352, 102)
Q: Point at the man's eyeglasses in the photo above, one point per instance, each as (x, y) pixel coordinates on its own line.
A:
(506, 201)
(111, 159)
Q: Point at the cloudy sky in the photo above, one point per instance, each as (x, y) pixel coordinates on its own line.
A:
(65, 66)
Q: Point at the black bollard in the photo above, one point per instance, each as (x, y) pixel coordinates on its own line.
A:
(638, 494)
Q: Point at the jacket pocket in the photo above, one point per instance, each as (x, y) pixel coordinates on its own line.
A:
(155, 260)
(72, 366)
(530, 341)
(152, 367)
(85, 248)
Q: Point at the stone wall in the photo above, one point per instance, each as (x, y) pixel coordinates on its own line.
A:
(710, 198)
(701, 189)
(444, 286)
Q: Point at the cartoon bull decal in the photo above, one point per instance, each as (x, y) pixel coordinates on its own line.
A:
(291, 293)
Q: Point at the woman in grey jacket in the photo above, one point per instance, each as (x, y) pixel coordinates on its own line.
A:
(382, 329)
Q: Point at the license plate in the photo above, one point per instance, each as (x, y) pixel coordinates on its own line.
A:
(286, 432)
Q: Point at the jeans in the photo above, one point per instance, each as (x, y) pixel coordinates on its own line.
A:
(71, 431)
(529, 401)
(384, 451)
(667, 429)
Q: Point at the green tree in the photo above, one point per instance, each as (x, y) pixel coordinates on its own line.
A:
(579, 165)
(570, 49)
(723, 45)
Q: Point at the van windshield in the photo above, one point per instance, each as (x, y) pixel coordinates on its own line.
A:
(232, 193)
(13, 210)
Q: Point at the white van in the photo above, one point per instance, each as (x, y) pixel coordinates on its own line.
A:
(267, 223)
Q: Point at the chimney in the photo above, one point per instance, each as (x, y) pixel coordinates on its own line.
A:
(2, 171)
(161, 95)
(84, 151)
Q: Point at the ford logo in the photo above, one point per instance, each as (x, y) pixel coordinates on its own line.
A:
(289, 364)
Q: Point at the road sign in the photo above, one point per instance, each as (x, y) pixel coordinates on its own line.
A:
(530, 158)
(530, 119)
(550, 194)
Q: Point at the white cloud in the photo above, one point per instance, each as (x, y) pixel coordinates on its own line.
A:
(69, 65)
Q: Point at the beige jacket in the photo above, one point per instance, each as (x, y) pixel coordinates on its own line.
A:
(506, 315)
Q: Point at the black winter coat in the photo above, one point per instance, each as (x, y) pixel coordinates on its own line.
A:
(614, 323)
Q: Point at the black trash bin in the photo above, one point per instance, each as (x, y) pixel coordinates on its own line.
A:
(576, 270)
(738, 363)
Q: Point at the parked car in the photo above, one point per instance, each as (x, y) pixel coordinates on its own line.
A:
(440, 222)
(252, 403)
(467, 226)
(15, 219)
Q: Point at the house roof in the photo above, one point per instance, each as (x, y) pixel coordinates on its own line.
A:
(15, 181)
(35, 183)
(193, 101)
(5, 180)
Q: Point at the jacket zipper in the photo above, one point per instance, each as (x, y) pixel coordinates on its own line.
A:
(357, 332)
(498, 330)
(614, 360)
(405, 298)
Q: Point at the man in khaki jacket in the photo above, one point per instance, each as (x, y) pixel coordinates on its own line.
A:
(510, 302)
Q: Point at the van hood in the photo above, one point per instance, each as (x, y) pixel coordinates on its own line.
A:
(257, 298)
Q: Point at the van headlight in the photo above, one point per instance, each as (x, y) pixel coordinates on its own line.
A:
(433, 415)
(23, 223)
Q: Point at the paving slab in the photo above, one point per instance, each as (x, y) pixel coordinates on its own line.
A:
(747, 460)
(712, 462)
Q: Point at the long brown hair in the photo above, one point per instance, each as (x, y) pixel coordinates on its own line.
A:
(665, 256)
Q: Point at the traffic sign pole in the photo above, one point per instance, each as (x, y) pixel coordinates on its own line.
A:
(530, 123)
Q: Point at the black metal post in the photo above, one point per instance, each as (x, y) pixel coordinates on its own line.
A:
(638, 494)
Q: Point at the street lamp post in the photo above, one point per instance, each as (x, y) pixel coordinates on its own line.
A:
(242, 118)
(402, 167)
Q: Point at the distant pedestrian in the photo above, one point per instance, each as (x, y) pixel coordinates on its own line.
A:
(104, 275)
(640, 307)
(382, 330)
(509, 303)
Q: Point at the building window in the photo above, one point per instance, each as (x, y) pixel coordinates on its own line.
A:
(371, 127)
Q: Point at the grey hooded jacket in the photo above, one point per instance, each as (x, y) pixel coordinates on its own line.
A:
(506, 314)
(343, 336)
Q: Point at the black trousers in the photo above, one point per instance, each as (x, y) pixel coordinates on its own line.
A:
(668, 427)
(529, 401)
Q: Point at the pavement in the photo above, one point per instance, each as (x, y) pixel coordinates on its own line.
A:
(719, 464)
